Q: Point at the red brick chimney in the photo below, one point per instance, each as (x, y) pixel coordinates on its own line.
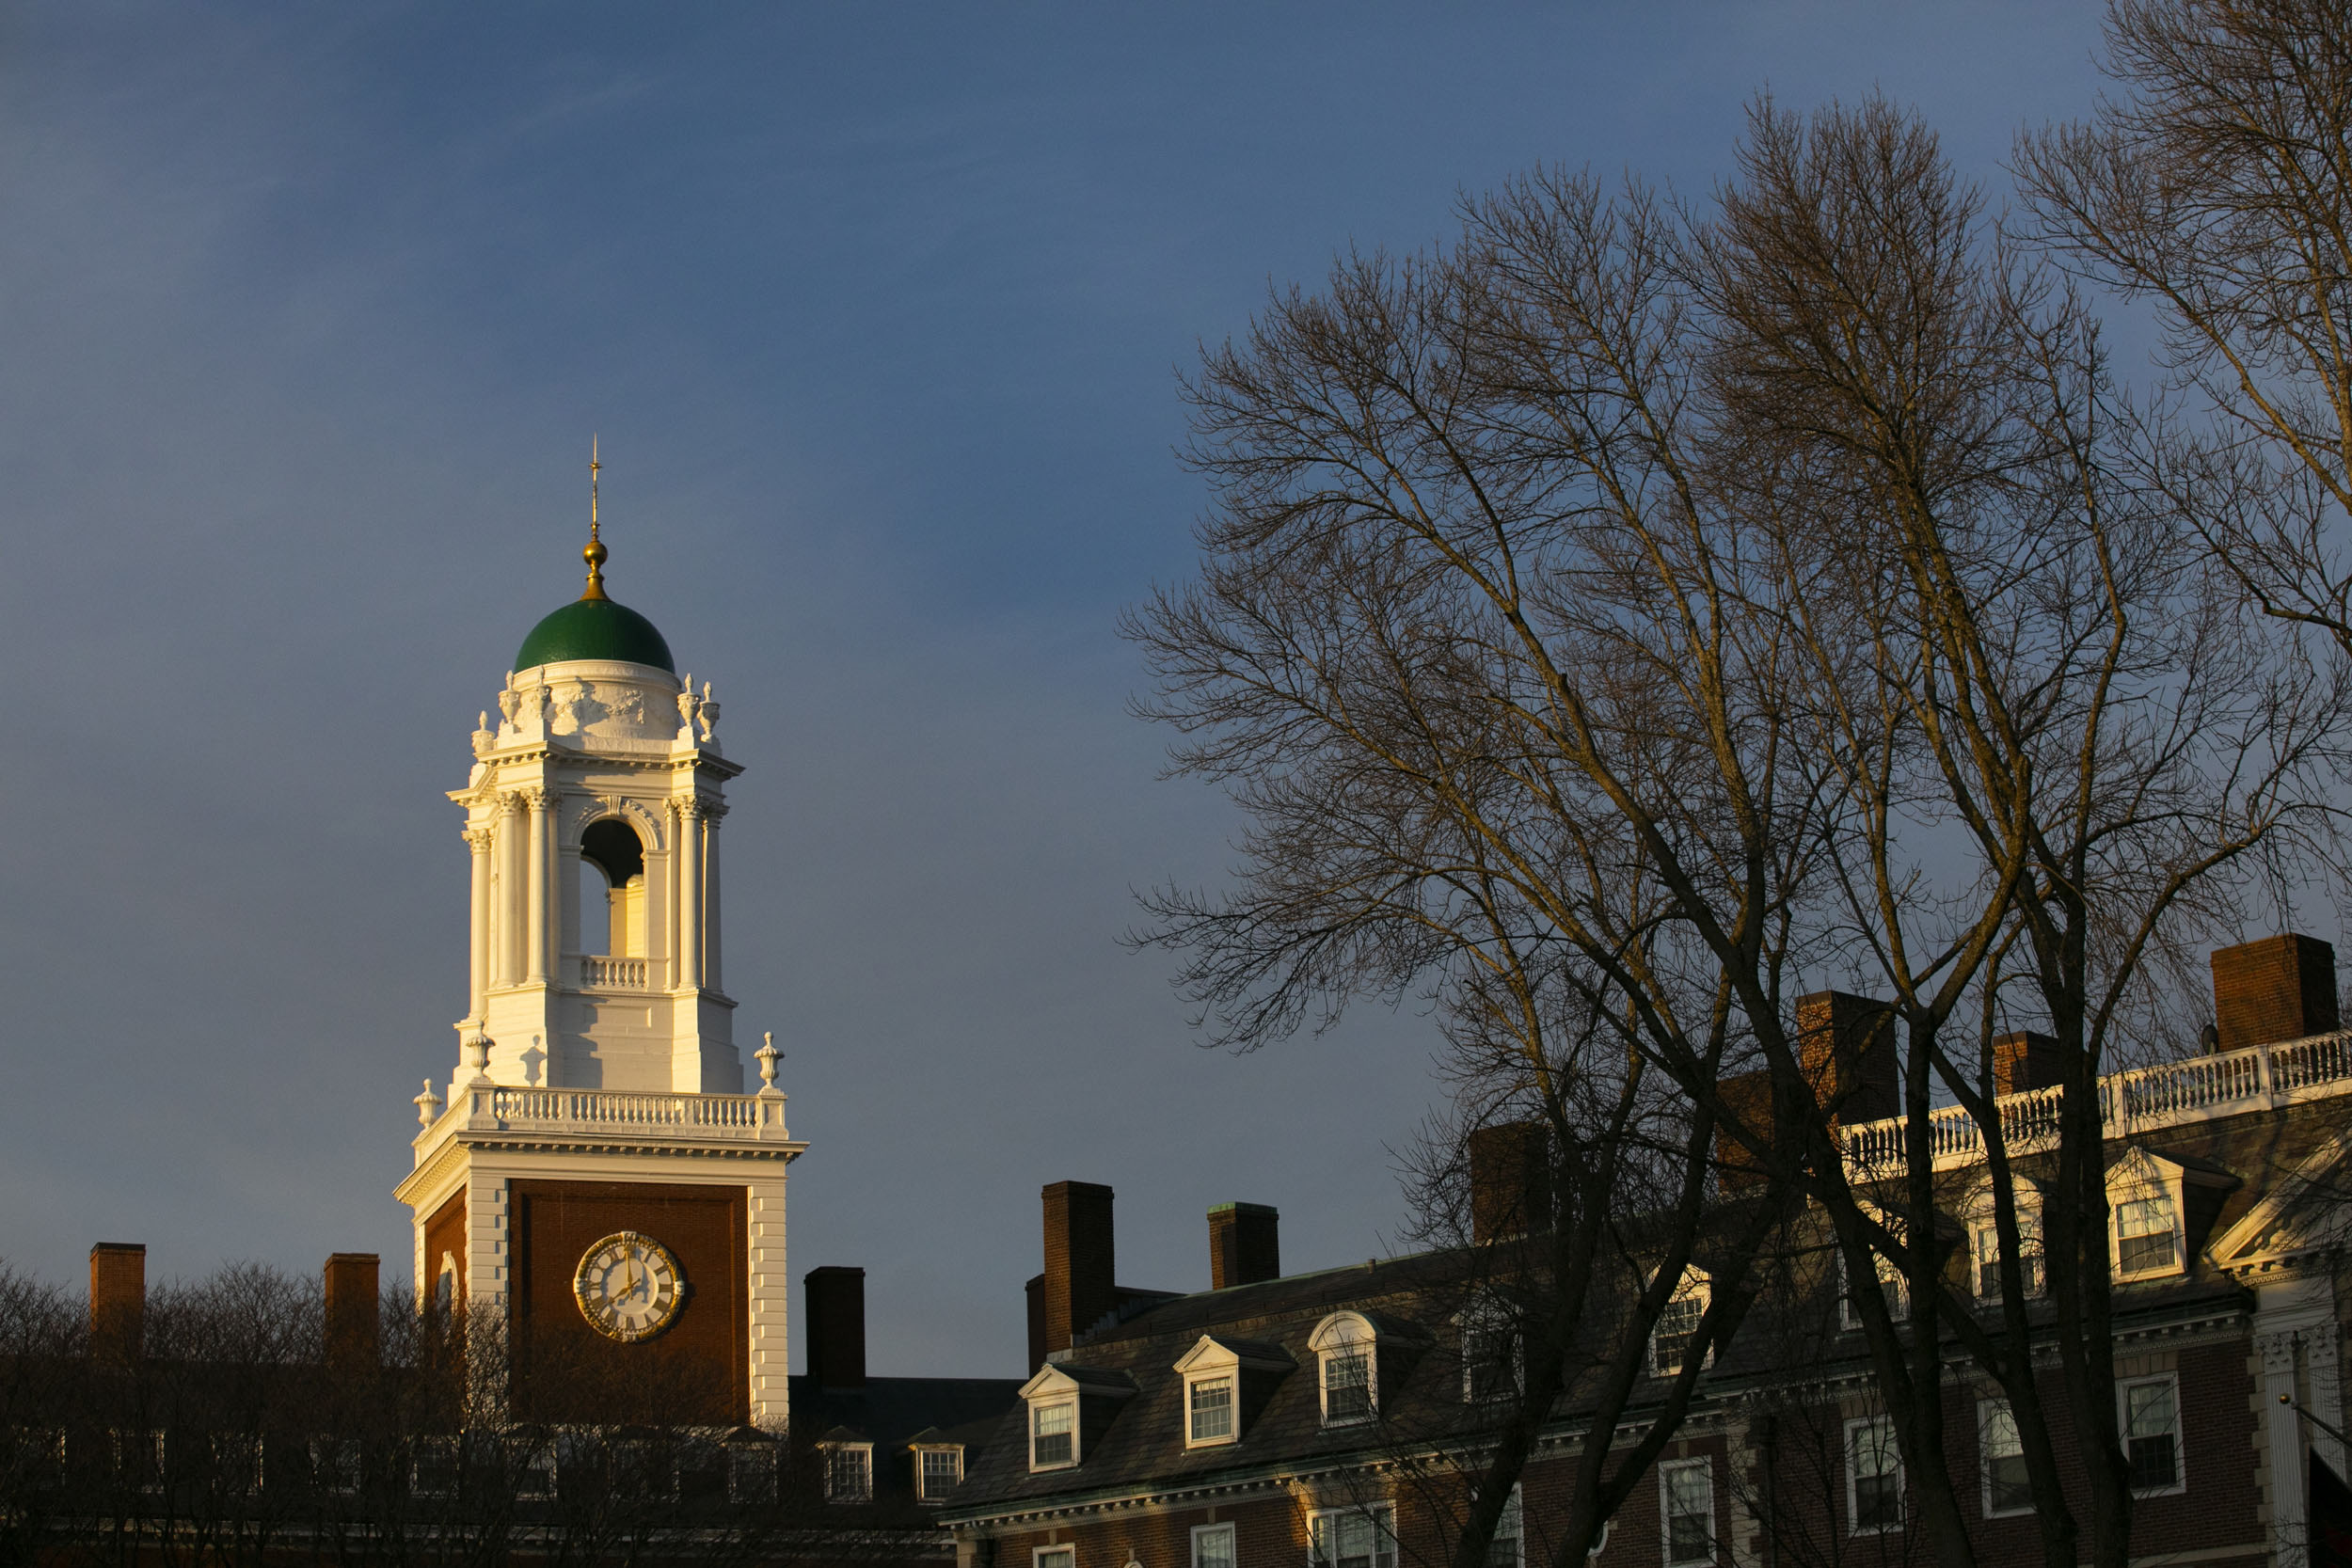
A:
(1244, 1244)
(1510, 1181)
(351, 1310)
(1079, 1261)
(1847, 1047)
(117, 1300)
(835, 1302)
(2024, 1061)
(2279, 989)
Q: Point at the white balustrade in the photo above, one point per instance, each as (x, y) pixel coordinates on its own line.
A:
(721, 1116)
(598, 973)
(2168, 1094)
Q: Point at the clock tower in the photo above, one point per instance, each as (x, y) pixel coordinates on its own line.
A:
(594, 1178)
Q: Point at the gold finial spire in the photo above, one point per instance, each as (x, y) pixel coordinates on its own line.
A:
(594, 552)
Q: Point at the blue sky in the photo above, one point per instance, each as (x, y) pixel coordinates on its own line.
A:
(307, 315)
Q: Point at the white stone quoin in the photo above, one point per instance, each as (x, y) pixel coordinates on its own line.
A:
(618, 1065)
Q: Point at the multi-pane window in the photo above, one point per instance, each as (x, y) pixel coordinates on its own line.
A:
(2152, 1433)
(1346, 1387)
(2028, 1257)
(1676, 1325)
(2006, 1488)
(940, 1472)
(1353, 1538)
(1213, 1546)
(139, 1460)
(1490, 1359)
(1891, 1287)
(532, 1466)
(1874, 1477)
(1055, 1557)
(750, 1473)
(850, 1473)
(334, 1465)
(1504, 1548)
(645, 1472)
(38, 1456)
(1211, 1400)
(432, 1467)
(1687, 1501)
(2144, 1236)
(1052, 1441)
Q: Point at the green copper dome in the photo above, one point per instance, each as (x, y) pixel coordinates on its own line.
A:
(595, 628)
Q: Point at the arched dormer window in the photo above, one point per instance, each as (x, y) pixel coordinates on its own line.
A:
(612, 916)
(1679, 1323)
(1346, 1349)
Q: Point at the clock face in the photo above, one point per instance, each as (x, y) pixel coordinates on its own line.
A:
(629, 1286)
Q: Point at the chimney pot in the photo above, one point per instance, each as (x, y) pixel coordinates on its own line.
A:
(2282, 988)
(117, 1300)
(1080, 1261)
(1510, 1181)
(1845, 1045)
(351, 1310)
(836, 1299)
(1244, 1244)
(2024, 1061)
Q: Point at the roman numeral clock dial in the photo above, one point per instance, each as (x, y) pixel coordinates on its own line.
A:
(629, 1286)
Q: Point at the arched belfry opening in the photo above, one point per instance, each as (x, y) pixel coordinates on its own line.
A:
(614, 913)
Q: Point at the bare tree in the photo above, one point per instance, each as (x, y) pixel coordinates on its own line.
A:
(2216, 187)
(1666, 607)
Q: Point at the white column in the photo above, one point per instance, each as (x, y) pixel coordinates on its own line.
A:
(689, 895)
(770, 1291)
(507, 907)
(713, 978)
(478, 841)
(2283, 1425)
(541, 872)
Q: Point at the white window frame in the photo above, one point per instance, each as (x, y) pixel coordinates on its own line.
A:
(1484, 1321)
(752, 1469)
(237, 1461)
(1232, 1543)
(2139, 1176)
(1513, 1522)
(1893, 1290)
(1855, 1428)
(532, 1466)
(327, 1455)
(1705, 1467)
(1383, 1519)
(126, 1441)
(445, 1449)
(1988, 1411)
(1694, 1284)
(1338, 1337)
(1230, 1380)
(1038, 1408)
(834, 1454)
(1984, 1250)
(2179, 1444)
(2148, 1199)
(1061, 1555)
(922, 1470)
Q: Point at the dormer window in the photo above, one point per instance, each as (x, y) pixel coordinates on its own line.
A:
(938, 1472)
(1068, 1408)
(849, 1472)
(1491, 1355)
(1226, 1382)
(1679, 1323)
(1988, 1247)
(1053, 1435)
(1210, 1401)
(1892, 1288)
(1345, 1347)
(2156, 1204)
(2146, 1232)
